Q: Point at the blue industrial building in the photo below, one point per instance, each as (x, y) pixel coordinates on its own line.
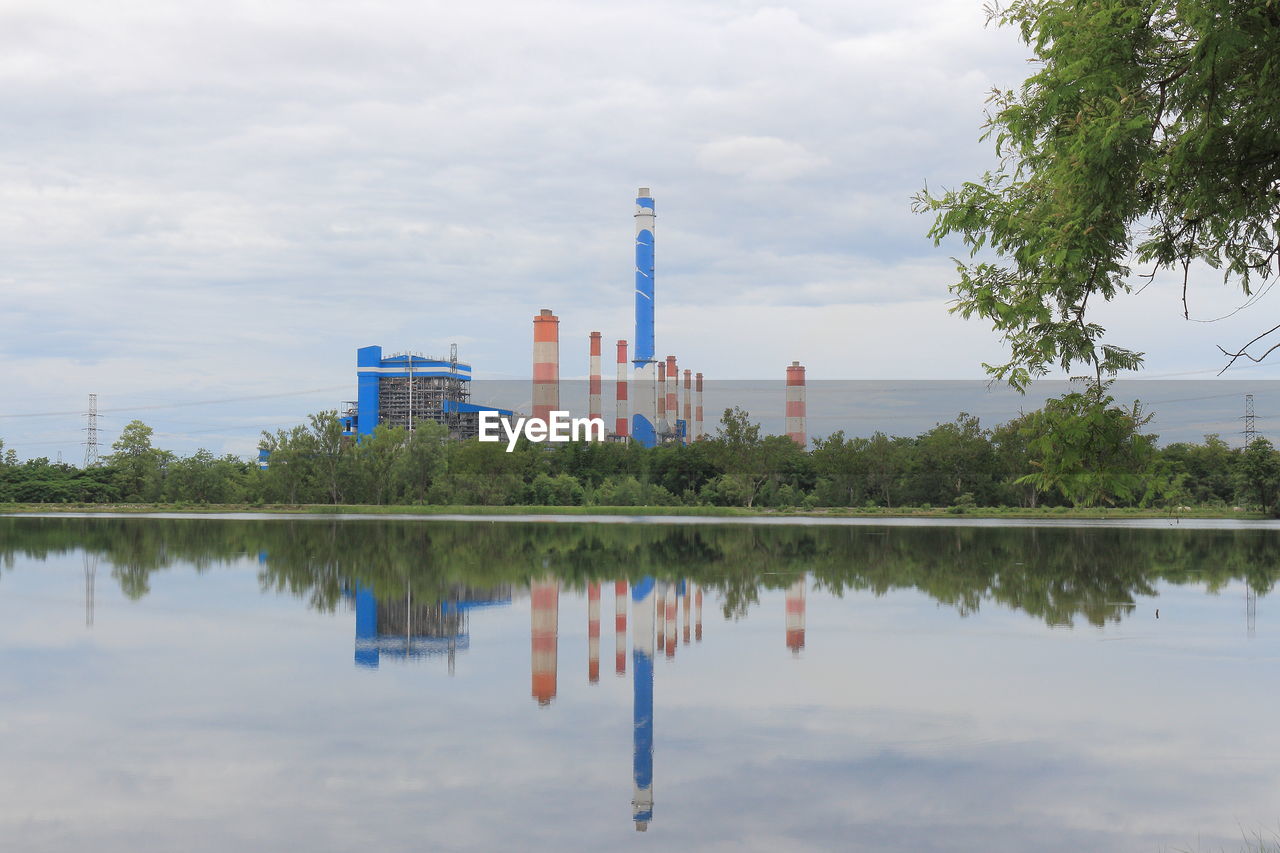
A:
(405, 388)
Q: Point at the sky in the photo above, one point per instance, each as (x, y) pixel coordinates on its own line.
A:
(222, 202)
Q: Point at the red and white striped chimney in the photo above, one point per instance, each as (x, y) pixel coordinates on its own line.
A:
(546, 364)
(688, 406)
(622, 424)
(673, 405)
(796, 404)
(593, 381)
(662, 398)
(697, 407)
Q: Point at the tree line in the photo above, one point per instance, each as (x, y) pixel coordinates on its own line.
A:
(1080, 450)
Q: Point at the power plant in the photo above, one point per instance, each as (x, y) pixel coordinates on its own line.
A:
(406, 388)
(649, 407)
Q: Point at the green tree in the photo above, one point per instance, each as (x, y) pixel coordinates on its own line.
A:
(740, 452)
(1148, 131)
(139, 466)
(1260, 473)
(1088, 450)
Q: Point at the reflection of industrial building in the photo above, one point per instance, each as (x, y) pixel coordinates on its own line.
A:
(664, 614)
(643, 605)
(403, 389)
(402, 628)
(544, 619)
(795, 616)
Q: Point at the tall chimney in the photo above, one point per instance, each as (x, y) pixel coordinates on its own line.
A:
(688, 406)
(622, 422)
(593, 381)
(546, 364)
(697, 407)
(796, 404)
(660, 424)
(645, 421)
(673, 407)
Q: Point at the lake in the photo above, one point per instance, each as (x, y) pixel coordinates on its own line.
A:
(213, 684)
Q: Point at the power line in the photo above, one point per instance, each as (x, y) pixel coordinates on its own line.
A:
(183, 405)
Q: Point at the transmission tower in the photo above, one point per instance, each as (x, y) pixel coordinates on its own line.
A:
(1250, 423)
(91, 433)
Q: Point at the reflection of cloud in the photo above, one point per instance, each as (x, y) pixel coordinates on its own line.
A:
(209, 716)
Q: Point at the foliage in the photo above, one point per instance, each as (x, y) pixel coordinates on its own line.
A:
(1148, 132)
(1088, 450)
(1080, 449)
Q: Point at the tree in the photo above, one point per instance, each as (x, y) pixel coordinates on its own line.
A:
(1148, 133)
(140, 466)
(744, 456)
(1260, 473)
(1088, 450)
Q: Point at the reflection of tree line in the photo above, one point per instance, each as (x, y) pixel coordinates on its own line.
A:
(1056, 574)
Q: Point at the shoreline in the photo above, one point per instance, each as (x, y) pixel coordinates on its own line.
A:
(660, 514)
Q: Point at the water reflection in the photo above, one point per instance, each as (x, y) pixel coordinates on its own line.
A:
(403, 628)
(992, 725)
(1060, 576)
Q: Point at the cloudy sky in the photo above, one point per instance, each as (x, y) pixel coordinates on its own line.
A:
(221, 202)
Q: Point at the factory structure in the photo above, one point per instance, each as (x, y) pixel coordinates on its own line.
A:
(406, 388)
(654, 403)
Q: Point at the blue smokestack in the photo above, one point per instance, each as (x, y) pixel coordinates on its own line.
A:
(644, 419)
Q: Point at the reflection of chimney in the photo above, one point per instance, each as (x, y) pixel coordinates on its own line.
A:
(643, 604)
(366, 628)
(684, 586)
(795, 616)
(593, 633)
(670, 619)
(697, 602)
(620, 626)
(544, 600)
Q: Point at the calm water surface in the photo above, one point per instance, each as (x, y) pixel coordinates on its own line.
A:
(331, 685)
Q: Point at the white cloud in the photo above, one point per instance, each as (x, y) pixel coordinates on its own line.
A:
(759, 158)
(245, 195)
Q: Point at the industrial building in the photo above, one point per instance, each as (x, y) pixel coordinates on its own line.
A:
(649, 407)
(407, 388)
